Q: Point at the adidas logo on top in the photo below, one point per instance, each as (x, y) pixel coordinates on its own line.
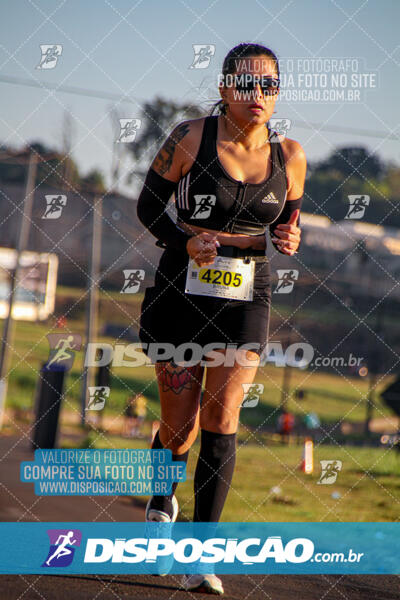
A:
(270, 198)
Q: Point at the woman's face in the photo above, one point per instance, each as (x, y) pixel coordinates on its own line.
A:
(250, 106)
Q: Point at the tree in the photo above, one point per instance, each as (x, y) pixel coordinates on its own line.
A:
(50, 170)
(70, 173)
(158, 119)
(93, 181)
(350, 171)
(352, 161)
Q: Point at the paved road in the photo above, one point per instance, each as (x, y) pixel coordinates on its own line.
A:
(237, 587)
(19, 503)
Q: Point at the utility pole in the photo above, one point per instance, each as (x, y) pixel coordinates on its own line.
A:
(22, 242)
(93, 298)
(374, 367)
(285, 391)
(287, 372)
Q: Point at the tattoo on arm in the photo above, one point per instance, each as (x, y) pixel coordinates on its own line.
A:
(163, 160)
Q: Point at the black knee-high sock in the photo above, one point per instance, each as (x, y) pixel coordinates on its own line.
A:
(213, 474)
(164, 503)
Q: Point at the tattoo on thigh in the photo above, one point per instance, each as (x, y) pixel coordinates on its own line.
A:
(177, 378)
(163, 160)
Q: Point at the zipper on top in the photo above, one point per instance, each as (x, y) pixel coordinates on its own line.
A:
(242, 187)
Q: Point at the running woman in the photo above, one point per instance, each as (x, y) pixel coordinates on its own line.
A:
(233, 180)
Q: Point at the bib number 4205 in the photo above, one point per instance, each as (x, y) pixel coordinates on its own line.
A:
(227, 277)
(215, 276)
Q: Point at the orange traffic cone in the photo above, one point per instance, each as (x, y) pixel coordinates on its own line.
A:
(307, 462)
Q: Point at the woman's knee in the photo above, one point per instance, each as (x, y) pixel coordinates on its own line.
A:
(178, 438)
(220, 425)
(220, 418)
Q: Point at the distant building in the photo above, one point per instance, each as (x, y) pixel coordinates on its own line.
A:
(356, 253)
(125, 243)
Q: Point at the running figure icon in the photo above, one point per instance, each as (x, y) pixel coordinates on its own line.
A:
(330, 471)
(204, 206)
(49, 56)
(357, 207)
(63, 346)
(97, 400)
(287, 279)
(204, 55)
(133, 279)
(62, 549)
(55, 205)
(129, 128)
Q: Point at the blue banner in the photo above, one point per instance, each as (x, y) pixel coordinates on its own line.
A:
(151, 548)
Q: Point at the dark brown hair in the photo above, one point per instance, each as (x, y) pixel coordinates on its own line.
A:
(242, 51)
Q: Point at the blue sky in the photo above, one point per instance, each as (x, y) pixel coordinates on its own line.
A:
(144, 48)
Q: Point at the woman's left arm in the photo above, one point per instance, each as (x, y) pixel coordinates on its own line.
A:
(285, 231)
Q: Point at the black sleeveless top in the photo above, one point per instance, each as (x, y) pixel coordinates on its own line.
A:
(208, 196)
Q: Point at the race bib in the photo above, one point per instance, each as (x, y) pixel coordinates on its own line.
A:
(226, 277)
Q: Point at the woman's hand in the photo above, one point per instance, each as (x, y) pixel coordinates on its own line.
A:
(203, 248)
(240, 240)
(257, 242)
(288, 235)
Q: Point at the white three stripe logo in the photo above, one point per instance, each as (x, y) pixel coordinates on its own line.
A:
(270, 198)
(183, 188)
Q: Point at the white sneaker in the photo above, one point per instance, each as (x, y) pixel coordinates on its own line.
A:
(207, 584)
(159, 516)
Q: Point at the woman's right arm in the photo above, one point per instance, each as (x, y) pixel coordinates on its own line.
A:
(156, 192)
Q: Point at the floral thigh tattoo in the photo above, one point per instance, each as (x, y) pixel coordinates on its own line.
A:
(178, 378)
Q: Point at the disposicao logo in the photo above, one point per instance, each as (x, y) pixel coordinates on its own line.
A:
(190, 550)
(62, 547)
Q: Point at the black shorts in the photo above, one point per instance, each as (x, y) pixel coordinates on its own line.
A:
(169, 315)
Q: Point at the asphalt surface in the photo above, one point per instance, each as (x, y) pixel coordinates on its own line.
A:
(237, 587)
(19, 503)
